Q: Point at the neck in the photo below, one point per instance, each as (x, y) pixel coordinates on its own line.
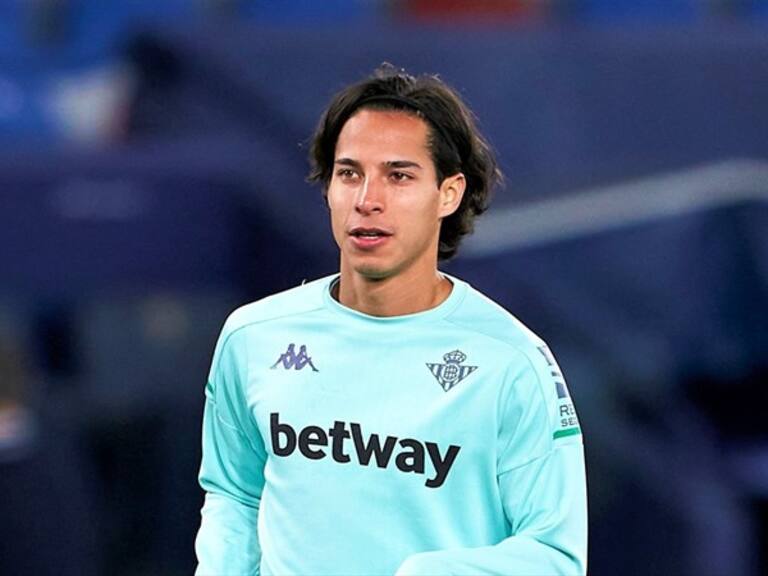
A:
(395, 296)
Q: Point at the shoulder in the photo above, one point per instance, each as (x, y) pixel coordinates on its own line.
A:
(530, 367)
(535, 378)
(303, 299)
(485, 318)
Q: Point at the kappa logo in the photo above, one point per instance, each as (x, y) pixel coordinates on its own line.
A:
(452, 372)
(290, 359)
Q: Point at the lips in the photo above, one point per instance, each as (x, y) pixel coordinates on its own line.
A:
(369, 237)
(369, 232)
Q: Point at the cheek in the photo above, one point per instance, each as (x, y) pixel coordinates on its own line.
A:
(422, 220)
(425, 211)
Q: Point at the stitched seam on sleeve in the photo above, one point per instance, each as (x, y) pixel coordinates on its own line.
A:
(539, 386)
(231, 426)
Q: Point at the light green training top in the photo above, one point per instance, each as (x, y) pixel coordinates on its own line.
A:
(442, 442)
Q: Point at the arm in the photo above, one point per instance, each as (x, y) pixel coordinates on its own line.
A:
(231, 473)
(547, 538)
(544, 495)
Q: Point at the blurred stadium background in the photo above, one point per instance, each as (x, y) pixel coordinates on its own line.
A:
(152, 157)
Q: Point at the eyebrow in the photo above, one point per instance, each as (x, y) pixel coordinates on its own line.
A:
(402, 164)
(388, 163)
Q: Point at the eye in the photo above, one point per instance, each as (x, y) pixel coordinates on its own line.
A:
(346, 174)
(400, 176)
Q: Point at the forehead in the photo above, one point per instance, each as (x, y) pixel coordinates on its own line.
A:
(383, 132)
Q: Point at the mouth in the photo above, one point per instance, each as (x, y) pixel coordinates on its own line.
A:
(366, 232)
(367, 238)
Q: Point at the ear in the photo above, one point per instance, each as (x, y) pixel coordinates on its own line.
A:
(451, 193)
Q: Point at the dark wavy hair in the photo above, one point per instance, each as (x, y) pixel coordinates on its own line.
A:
(455, 143)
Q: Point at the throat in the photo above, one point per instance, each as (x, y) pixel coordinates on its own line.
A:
(395, 296)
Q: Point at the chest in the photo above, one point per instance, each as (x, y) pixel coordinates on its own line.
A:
(413, 403)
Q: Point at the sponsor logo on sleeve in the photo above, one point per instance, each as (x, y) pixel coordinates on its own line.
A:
(567, 420)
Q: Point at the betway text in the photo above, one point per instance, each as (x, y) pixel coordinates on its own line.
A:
(410, 454)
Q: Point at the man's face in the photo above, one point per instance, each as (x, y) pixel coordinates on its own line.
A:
(386, 205)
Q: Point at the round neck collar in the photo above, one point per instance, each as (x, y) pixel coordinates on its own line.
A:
(457, 294)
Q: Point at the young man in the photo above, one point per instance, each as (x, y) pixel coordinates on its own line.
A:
(390, 419)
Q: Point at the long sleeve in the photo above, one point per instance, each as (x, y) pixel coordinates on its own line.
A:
(548, 498)
(541, 483)
(231, 472)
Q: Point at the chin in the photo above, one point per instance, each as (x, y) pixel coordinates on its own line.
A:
(372, 268)
(372, 272)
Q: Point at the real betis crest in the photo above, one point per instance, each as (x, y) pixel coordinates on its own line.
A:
(452, 372)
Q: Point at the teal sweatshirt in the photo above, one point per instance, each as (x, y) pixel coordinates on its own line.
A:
(442, 442)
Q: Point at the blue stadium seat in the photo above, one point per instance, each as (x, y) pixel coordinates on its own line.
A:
(302, 12)
(632, 11)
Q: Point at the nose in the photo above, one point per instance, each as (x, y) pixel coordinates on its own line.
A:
(370, 198)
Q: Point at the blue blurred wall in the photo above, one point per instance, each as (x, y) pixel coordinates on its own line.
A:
(631, 235)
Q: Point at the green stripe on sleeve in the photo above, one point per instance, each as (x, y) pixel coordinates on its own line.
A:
(564, 433)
